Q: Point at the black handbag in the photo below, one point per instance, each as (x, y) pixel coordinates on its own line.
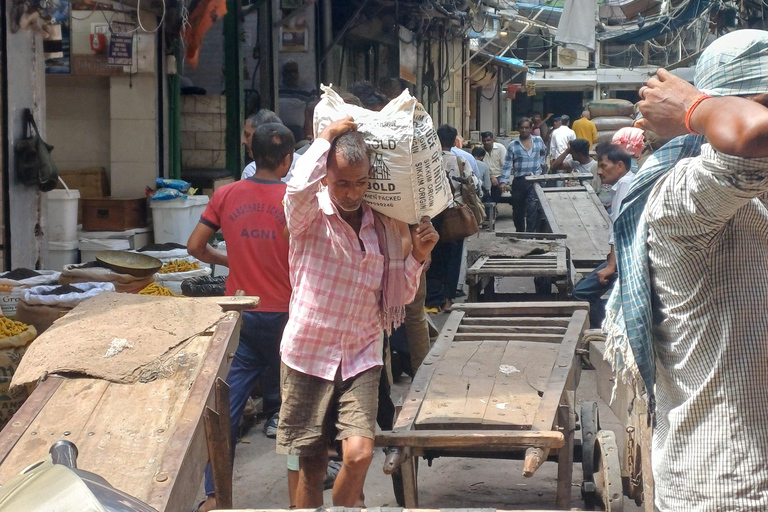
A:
(34, 164)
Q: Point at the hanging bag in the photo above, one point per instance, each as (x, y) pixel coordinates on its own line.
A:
(34, 165)
(457, 222)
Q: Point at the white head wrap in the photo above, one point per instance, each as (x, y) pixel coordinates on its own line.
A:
(735, 64)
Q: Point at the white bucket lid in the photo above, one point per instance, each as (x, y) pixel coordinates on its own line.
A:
(180, 202)
(104, 244)
(70, 245)
(59, 194)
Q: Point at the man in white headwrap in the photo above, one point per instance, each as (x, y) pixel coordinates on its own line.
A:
(688, 319)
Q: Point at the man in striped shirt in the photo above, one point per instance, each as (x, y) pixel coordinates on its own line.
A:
(525, 157)
(707, 240)
(353, 271)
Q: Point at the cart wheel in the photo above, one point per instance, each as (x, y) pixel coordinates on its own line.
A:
(608, 483)
(590, 426)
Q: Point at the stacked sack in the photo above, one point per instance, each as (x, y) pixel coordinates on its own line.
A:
(610, 116)
(14, 282)
(15, 337)
(40, 306)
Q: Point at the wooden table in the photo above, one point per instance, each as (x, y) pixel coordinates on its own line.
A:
(552, 264)
(578, 213)
(499, 383)
(146, 439)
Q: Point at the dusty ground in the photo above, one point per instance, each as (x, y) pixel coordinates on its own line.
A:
(260, 474)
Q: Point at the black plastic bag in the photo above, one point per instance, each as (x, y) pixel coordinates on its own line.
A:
(205, 286)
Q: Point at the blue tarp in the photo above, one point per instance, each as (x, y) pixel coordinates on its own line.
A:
(659, 25)
(509, 61)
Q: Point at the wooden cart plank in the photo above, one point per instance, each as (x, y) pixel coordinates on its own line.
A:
(142, 437)
(520, 308)
(14, 430)
(470, 439)
(562, 373)
(541, 329)
(538, 321)
(523, 373)
(575, 212)
(545, 338)
(63, 417)
(421, 380)
(461, 387)
(561, 176)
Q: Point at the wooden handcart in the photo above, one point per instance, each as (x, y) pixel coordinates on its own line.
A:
(577, 213)
(499, 382)
(150, 440)
(552, 264)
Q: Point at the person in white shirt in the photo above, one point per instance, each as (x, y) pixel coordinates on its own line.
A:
(561, 136)
(613, 164)
(261, 117)
(496, 153)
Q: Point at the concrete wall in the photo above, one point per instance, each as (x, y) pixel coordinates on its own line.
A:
(78, 120)
(25, 90)
(203, 130)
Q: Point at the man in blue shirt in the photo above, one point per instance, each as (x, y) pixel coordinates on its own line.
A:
(525, 157)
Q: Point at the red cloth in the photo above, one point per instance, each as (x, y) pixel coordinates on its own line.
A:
(201, 19)
(251, 217)
(631, 139)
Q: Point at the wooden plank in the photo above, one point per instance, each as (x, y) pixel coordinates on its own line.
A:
(567, 423)
(476, 266)
(14, 429)
(63, 417)
(556, 190)
(461, 386)
(575, 211)
(522, 320)
(522, 272)
(535, 236)
(562, 372)
(421, 380)
(187, 454)
(545, 207)
(500, 329)
(521, 308)
(470, 439)
(523, 373)
(560, 176)
(545, 338)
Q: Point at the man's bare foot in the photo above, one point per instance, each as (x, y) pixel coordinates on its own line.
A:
(208, 504)
(448, 305)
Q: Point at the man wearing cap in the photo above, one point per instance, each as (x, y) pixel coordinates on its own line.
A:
(686, 322)
(561, 136)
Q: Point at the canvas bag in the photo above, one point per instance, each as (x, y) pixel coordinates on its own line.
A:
(407, 180)
(470, 198)
(34, 165)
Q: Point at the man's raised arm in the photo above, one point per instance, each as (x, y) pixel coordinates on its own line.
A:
(732, 125)
(310, 169)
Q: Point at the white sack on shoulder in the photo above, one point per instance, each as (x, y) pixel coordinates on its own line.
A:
(407, 180)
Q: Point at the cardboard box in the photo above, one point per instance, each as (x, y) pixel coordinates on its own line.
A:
(91, 182)
(110, 214)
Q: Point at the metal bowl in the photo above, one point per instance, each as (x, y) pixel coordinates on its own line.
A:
(124, 262)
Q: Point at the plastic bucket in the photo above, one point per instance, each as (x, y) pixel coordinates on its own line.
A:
(89, 247)
(175, 220)
(62, 215)
(62, 253)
